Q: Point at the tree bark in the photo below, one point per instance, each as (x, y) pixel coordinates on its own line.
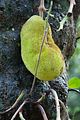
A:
(14, 77)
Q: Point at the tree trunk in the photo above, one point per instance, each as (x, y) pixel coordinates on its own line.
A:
(14, 77)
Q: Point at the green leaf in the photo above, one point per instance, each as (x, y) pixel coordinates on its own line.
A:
(74, 82)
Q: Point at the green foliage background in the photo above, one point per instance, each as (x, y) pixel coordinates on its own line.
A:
(74, 69)
(74, 73)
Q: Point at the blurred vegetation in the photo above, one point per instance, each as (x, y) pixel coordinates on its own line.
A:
(74, 105)
(74, 74)
(74, 69)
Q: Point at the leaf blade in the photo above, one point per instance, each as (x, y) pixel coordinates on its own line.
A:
(74, 82)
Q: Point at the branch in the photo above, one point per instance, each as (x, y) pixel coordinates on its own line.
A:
(21, 115)
(41, 8)
(75, 90)
(57, 104)
(68, 15)
(70, 10)
(65, 19)
(66, 116)
(40, 99)
(42, 112)
(77, 38)
(19, 109)
(15, 104)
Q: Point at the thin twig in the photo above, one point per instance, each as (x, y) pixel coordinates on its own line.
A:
(75, 90)
(77, 38)
(40, 99)
(41, 8)
(43, 39)
(68, 15)
(66, 115)
(57, 104)
(62, 22)
(15, 104)
(42, 112)
(26, 101)
(72, 3)
(21, 115)
(19, 109)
